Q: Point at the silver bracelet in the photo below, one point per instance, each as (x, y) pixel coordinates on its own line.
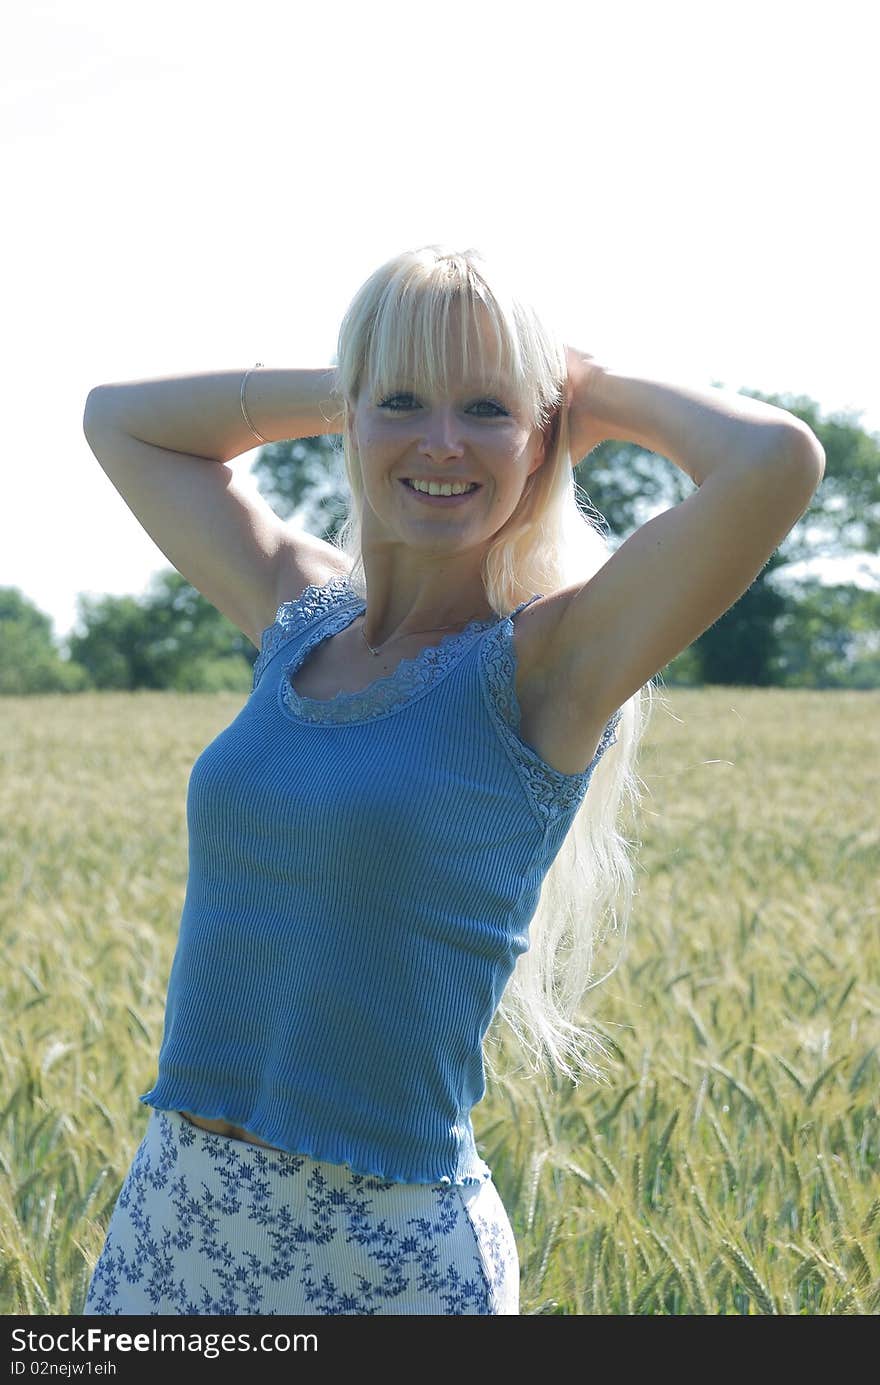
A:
(244, 411)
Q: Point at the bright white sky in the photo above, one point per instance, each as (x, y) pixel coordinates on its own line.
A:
(198, 185)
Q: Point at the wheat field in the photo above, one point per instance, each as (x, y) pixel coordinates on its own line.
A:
(731, 1163)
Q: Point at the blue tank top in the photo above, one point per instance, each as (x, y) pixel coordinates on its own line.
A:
(362, 873)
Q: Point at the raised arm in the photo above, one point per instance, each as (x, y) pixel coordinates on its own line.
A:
(166, 443)
(756, 468)
(201, 414)
(699, 430)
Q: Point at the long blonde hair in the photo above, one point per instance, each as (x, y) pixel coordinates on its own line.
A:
(396, 327)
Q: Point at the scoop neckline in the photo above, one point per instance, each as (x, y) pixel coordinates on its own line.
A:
(410, 675)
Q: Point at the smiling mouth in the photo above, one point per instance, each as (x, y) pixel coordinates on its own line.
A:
(441, 490)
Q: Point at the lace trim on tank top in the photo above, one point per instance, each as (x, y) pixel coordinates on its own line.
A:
(293, 616)
(550, 791)
(325, 610)
(409, 680)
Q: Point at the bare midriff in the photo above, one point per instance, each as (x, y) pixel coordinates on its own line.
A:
(221, 1127)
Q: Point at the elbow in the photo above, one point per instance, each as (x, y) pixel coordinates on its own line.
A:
(798, 462)
(89, 410)
(96, 404)
(793, 442)
(803, 446)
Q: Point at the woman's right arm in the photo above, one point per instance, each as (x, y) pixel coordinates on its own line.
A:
(201, 414)
(165, 444)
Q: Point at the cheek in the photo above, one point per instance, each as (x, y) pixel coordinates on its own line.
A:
(372, 440)
(364, 448)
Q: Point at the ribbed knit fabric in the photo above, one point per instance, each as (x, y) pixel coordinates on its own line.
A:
(362, 873)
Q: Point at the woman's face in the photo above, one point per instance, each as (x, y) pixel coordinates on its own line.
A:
(469, 433)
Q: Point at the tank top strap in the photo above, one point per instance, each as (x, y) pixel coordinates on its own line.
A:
(522, 605)
(314, 604)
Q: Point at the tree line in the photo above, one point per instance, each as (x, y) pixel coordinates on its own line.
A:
(785, 631)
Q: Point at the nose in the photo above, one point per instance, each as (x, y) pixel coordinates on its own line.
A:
(440, 439)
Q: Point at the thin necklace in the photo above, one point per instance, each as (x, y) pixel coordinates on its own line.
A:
(404, 635)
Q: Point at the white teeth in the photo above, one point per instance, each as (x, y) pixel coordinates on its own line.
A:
(434, 488)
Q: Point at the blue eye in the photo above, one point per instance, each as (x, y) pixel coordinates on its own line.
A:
(393, 399)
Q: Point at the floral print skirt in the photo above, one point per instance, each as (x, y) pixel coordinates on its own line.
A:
(209, 1223)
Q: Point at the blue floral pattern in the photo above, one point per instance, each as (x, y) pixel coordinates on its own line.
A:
(209, 1224)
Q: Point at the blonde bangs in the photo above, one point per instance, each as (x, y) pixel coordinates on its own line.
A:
(425, 319)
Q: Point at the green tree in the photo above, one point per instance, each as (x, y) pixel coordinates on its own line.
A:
(193, 647)
(111, 644)
(29, 659)
(171, 639)
(305, 478)
(830, 639)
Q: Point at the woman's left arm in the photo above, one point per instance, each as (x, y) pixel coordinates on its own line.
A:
(700, 431)
(755, 468)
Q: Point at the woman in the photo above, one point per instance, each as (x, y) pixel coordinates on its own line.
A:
(396, 828)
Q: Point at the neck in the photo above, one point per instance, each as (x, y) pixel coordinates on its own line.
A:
(408, 590)
(390, 615)
(376, 645)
